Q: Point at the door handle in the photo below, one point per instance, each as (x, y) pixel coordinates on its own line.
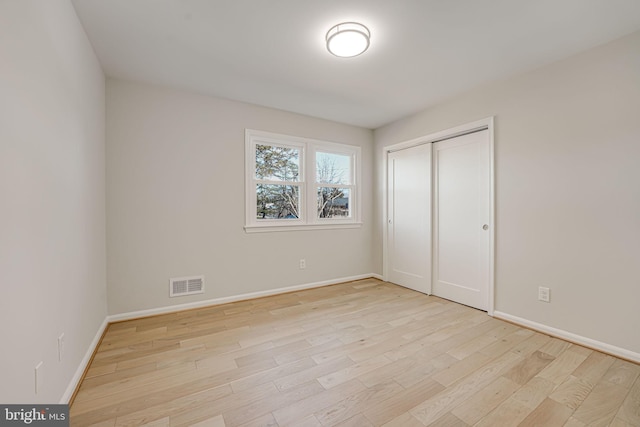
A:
(485, 227)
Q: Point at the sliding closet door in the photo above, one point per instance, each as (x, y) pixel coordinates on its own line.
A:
(461, 235)
(409, 217)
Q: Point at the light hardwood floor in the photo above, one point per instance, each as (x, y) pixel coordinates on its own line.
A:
(364, 353)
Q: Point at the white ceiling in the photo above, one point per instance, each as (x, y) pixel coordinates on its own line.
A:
(272, 52)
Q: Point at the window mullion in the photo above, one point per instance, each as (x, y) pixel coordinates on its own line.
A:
(310, 185)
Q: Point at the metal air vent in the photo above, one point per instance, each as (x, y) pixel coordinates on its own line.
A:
(180, 286)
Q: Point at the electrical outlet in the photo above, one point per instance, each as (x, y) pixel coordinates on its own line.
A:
(544, 294)
(60, 347)
(303, 264)
(38, 377)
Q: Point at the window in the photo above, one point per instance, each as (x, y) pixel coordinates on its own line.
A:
(333, 184)
(298, 183)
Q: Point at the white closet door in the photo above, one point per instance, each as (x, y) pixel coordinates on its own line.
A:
(409, 217)
(461, 235)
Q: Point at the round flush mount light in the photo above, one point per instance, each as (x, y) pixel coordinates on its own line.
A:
(348, 39)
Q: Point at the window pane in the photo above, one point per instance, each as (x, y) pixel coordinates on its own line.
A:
(333, 168)
(277, 163)
(334, 202)
(277, 201)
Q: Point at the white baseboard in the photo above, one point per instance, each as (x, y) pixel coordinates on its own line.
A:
(234, 298)
(77, 377)
(569, 336)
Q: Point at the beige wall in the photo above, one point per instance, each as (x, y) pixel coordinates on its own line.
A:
(52, 196)
(567, 154)
(175, 200)
(567, 195)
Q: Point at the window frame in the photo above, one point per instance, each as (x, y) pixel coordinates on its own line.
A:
(307, 182)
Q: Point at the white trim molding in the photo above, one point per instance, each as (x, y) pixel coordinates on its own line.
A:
(84, 363)
(234, 298)
(569, 336)
(310, 227)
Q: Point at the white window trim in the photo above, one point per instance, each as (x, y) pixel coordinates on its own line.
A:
(308, 219)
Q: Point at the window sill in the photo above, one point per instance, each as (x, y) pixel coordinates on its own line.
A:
(299, 227)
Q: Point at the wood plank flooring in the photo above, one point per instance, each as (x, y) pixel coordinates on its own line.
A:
(364, 353)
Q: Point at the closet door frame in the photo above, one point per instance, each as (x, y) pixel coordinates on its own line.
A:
(487, 123)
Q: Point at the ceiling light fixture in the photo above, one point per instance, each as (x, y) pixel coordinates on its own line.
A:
(348, 39)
